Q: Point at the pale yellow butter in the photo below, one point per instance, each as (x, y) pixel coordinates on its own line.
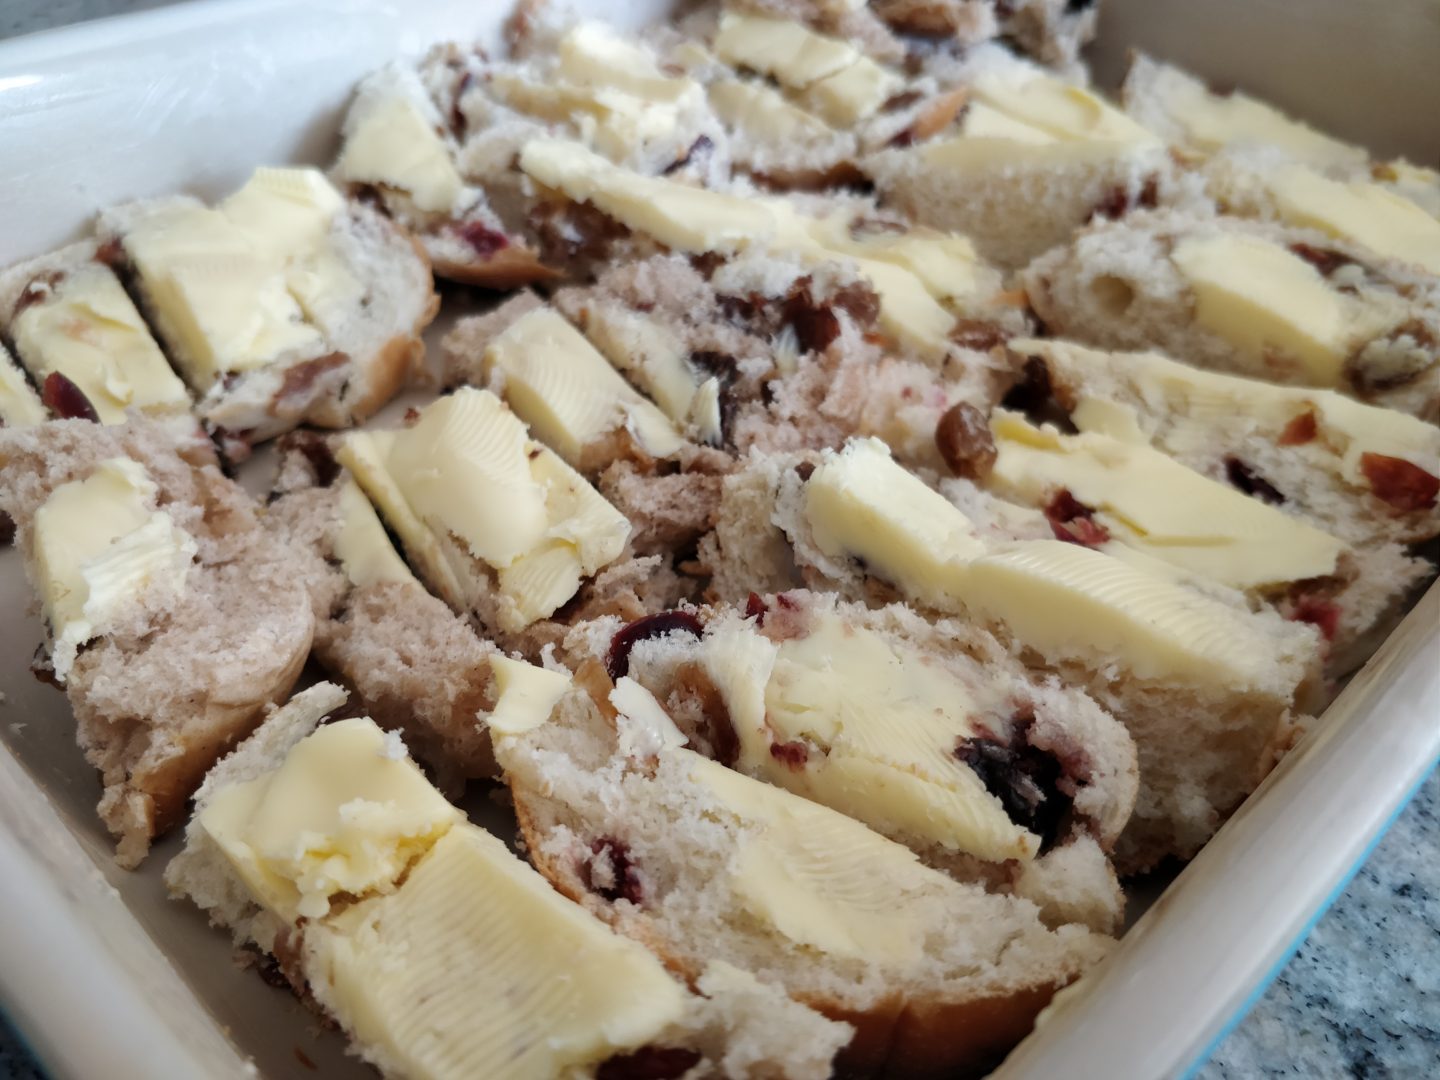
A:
(593, 54)
(19, 404)
(786, 50)
(1367, 214)
(1147, 500)
(344, 815)
(1211, 122)
(1061, 110)
(365, 552)
(99, 546)
(853, 93)
(1267, 302)
(567, 392)
(391, 139)
(657, 360)
(87, 329)
(476, 967)
(762, 112)
(526, 695)
(613, 121)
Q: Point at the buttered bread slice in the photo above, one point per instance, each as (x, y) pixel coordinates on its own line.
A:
(438, 952)
(172, 616)
(706, 864)
(1290, 305)
(1205, 686)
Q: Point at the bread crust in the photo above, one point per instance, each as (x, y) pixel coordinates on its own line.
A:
(511, 267)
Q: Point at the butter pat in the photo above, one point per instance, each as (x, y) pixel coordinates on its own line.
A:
(1366, 214)
(1149, 501)
(1061, 110)
(486, 509)
(366, 555)
(342, 816)
(99, 548)
(763, 113)
(19, 404)
(613, 121)
(477, 967)
(1211, 122)
(223, 299)
(567, 393)
(946, 264)
(785, 50)
(592, 54)
(821, 879)
(1267, 302)
(655, 358)
(86, 328)
(873, 727)
(860, 504)
(392, 139)
(526, 695)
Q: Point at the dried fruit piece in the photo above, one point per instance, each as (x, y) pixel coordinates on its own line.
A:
(1322, 259)
(1074, 522)
(754, 608)
(483, 240)
(66, 400)
(1318, 611)
(1120, 200)
(1025, 779)
(982, 336)
(965, 441)
(610, 873)
(1402, 484)
(793, 754)
(1246, 479)
(1300, 430)
(649, 1063)
(617, 660)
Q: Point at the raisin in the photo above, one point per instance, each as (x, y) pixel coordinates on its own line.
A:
(792, 754)
(610, 873)
(649, 1063)
(483, 240)
(1322, 259)
(964, 440)
(1300, 430)
(298, 386)
(816, 325)
(1074, 522)
(978, 334)
(567, 231)
(617, 660)
(805, 470)
(7, 532)
(1246, 479)
(317, 452)
(860, 302)
(1323, 614)
(1402, 484)
(1026, 781)
(754, 606)
(66, 400)
(697, 151)
(43, 669)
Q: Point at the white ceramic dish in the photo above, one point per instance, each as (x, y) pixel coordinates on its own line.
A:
(106, 977)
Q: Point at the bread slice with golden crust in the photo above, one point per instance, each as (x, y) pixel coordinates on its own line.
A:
(175, 676)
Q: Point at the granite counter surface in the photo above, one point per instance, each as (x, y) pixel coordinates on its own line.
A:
(1361, 997)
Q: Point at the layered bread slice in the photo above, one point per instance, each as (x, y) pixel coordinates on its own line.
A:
(1365, 474)
(1207, 688)
(1288, 305)
(704, 864)
(436, 950)
(71, 319)
(172, 612)
(283, 304)
(929, 734)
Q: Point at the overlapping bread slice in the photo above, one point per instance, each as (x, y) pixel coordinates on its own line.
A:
(80, 337)
(1207, 688)
(1284, 304)
(1209, 125)
(399, 152)
(1364, 473)
(929, 734)
(705, 864)
(282, 304)
(172, 613)
(412, 663)
(438, 951)
(1106, 484)
(1030, 158)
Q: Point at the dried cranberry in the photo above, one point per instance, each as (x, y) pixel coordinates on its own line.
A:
(699, 149)
(483, 240)
(7, 532)
(792, 754)
(1302, 429)
(965, 441)
(609, 872)
(1402, 484)
(1246, 479)
(1074, 522)
(1026, 781)
(43, 669)
(1322, 259)
(649, 1063)
(754, 608)
(617, 661)
(979, 334)
(1323, 614)
(66, 400)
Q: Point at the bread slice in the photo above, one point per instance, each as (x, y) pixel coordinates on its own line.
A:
(837, 703)
(1204, 739)
(20, 406)
(285, 304)
(730, 1025)
(399, 152)
(1287, 305)
(1019, 172)
(69, 315)
(1361, 472)
(704, 864)
(175, 674)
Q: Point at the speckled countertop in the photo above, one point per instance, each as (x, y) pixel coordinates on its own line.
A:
(1361, 998)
